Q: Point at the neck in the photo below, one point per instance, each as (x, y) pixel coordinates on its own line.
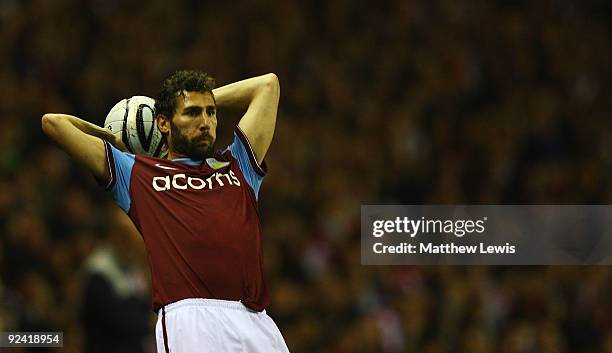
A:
(175, 155)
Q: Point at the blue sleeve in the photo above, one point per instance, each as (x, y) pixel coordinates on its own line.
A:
(243, 152)
(120, 165)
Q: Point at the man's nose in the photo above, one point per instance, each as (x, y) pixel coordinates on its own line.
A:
(205, 122)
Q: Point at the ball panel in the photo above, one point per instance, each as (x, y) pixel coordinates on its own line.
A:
(115, 126)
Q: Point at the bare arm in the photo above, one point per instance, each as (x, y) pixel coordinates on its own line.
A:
(260, 95)
(82, 141)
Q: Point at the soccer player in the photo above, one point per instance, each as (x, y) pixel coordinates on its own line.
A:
(196, 210)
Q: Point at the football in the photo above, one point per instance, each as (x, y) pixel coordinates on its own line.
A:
(134, 120)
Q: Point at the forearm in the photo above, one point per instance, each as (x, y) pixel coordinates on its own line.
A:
(81, 140)
(260, 95)
(239, 95)
(82, 125)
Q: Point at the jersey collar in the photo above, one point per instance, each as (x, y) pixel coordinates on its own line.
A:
(188, 161)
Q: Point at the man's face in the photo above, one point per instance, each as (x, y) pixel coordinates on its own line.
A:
(193, 128)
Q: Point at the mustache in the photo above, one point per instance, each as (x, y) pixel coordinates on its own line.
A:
(204, 137)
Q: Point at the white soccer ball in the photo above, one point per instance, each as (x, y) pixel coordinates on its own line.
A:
(134, 120)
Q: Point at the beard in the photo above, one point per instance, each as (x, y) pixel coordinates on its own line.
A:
(191, 147)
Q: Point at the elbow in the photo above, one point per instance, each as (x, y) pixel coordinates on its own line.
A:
(272, 83)
(272, 80)
(48, 123)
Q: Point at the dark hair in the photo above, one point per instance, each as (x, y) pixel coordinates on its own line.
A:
(173, 86)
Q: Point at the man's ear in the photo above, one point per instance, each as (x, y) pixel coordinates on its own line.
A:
(163, 124)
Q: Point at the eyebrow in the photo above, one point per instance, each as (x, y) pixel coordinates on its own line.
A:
(197, 107)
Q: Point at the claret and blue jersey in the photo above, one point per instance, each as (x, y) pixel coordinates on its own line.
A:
(199, 221)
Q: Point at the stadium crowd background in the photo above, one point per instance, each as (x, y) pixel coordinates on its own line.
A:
(445, 102)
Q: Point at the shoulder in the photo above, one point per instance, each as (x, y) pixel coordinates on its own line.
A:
(242, 150)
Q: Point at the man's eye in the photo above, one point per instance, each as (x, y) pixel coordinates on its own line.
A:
(210, 111)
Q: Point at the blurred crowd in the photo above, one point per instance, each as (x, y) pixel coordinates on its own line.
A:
(388, 102)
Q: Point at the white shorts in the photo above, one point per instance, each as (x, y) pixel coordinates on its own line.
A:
(216, 326)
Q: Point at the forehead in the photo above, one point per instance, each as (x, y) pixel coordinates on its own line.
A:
(191, 99)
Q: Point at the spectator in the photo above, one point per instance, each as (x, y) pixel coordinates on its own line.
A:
(116, 310)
